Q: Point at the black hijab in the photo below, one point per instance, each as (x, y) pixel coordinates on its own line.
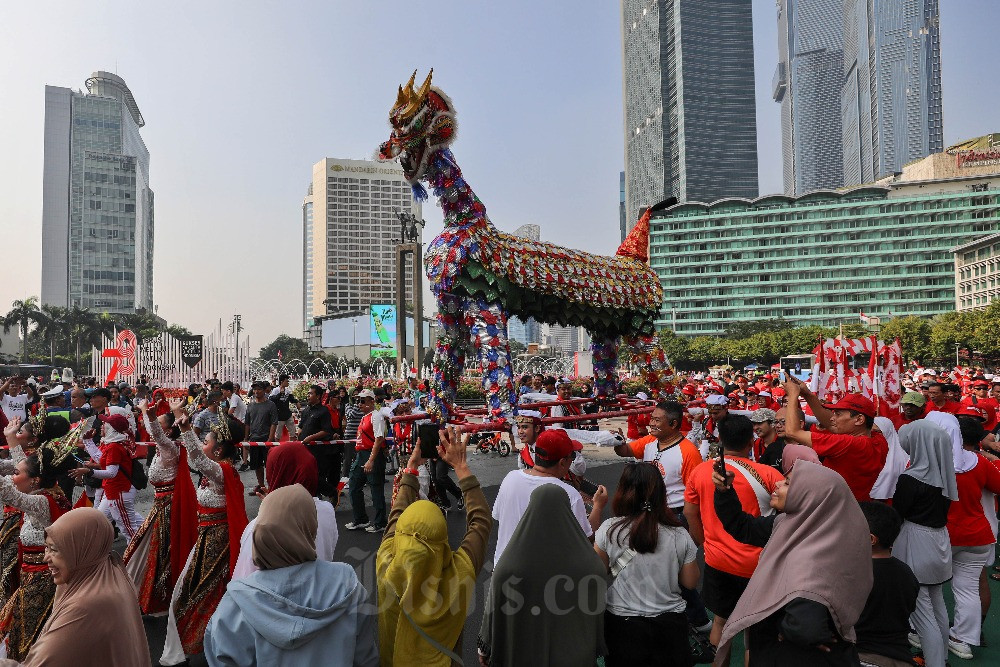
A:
(547, 597)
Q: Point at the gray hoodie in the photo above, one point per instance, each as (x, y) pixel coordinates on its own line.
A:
(308, 614)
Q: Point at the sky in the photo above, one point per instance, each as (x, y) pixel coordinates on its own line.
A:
(242, 98)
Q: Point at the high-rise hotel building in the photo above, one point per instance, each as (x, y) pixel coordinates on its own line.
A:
(350, 232)
(97, 206)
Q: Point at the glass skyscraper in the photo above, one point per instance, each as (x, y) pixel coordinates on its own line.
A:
(97, 207)
(807, 84)
(690, 113)
(891, 96)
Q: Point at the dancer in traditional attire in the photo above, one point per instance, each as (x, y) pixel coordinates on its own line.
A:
(222, 517)
(155, 556)
(34, 489)
(37, 429)
(112, 463)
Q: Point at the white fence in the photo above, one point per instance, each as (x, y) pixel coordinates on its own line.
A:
(170, 362)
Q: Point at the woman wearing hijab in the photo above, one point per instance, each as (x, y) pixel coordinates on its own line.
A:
(294, 609)
(814, 574)
(95, 617)
(287, 464)
(970, 533)
(792, 453)
(222, 516)
(895, 461)
(651, 556)
(924, 493)
(424, 588)
(155, 557)
(527, 620)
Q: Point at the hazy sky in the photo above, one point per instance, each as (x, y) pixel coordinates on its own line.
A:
(241, 98)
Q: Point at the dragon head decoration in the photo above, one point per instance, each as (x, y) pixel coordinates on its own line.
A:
(423, 122)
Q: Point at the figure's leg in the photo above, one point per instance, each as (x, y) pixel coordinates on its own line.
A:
(488, 326)
(605, 349)
(449, 355)
(645, 352)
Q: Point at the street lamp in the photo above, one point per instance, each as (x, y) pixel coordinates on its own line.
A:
(957, 345)
(354, 321)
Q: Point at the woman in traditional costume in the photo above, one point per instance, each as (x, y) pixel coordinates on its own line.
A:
(19, 438)
(34, 490)
(155, 557)
(222, 517)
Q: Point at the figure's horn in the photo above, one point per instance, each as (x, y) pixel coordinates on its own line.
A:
(426, 87)
(400, 98)
(409, 84)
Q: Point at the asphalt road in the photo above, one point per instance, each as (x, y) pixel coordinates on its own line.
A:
(358, 547)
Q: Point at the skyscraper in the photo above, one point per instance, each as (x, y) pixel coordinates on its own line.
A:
(525, 331)
(622, 223)
(97, 207)
(891, 96)
(350, 231)
(690, 113)
(807, 83)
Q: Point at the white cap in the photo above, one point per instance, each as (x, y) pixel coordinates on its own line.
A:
(930, 371)
(642, 396)
(765, 393)
(533, 414)
(367, 393)
(55, 391)
(716, 399)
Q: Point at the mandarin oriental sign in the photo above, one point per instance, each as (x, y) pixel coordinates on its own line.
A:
(368, 170)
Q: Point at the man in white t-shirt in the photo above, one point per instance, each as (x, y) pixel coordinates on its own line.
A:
(552, 458)
(13, 398)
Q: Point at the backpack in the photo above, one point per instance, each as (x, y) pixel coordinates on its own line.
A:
(138, 477)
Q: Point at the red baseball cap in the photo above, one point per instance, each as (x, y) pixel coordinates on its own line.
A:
(973, 411)
(117, 422)
(855, 402)
(553, 444)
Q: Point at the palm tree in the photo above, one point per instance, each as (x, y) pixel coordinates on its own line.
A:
(54, 324)
(83, 326)
(23, 314)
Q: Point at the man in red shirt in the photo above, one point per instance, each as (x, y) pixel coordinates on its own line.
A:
(846, 443)
(938, 399)
(981, 398)
(729, 564)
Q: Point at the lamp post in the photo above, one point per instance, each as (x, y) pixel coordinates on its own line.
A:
(354, 321)
(957, 345)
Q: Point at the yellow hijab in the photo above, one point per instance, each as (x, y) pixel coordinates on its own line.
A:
(419, 573)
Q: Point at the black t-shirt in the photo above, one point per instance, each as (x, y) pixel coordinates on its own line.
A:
(313, 419)
(885, 621)
(259, 418)
(773, 453)
(920, 503)
(280, 401)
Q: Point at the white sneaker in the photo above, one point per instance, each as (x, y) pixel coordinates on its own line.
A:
(357, 525)
(960, 649)
(914, 639)
(375, 529)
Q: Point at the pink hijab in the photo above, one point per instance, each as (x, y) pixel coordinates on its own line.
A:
(820, 550)
(792, 453)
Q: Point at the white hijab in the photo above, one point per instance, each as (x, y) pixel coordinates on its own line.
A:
(964, 459)
(895, 462)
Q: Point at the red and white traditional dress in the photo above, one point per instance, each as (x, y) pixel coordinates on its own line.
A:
(155, 556)
(222, 517)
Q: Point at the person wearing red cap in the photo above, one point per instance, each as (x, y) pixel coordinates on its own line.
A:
(846, 442)
(554, 454)
(980, 398)
(113, 466)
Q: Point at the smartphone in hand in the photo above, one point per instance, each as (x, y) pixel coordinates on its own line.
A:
(720, 465)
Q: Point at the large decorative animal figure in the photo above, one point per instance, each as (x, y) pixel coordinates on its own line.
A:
(481, 276)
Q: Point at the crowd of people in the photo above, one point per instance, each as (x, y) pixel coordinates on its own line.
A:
(820, 531)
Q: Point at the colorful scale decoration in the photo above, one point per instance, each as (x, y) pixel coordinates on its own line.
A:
(605, 365)
(645, 352)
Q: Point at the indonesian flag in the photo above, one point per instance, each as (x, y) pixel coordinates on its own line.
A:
(864, 318)
(279, 355)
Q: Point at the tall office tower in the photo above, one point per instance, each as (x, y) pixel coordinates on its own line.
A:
(97, 208)
(622, 224)
(690, 113)
(529, 331)
(350, 233)
(807, 83)
(891, 95)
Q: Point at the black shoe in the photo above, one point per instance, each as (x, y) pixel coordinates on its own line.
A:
(461, 503)
(244, 467)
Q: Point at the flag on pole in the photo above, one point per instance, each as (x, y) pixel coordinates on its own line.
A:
(864, 318)
(279, 355)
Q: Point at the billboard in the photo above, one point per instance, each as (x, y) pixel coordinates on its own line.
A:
(382, 334)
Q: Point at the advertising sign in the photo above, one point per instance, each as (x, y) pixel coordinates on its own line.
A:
(383, 331)
(192, 349)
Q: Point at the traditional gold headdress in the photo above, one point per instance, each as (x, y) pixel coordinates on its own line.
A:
(221, 430)
(36, 422)
(193, 407)
(66, 446)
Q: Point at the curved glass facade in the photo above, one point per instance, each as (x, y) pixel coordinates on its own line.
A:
(817, 259)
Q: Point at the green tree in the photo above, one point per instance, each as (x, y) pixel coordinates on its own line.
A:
(914, 334)
(675, 347)
(949, 330)
(23, 314)
(84, 328)
(987, 332)
(291, 348)
(747, 329)
(53, 325)
(177, 331)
